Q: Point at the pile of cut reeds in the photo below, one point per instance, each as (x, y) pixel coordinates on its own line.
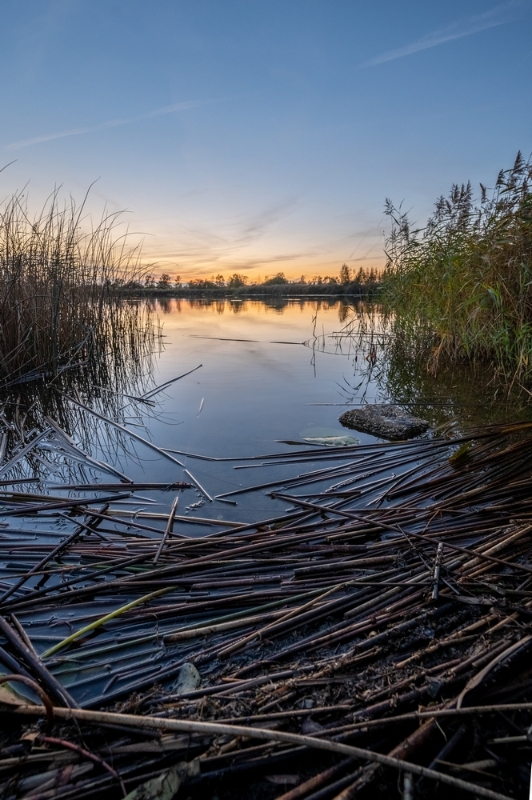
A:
(372, 640)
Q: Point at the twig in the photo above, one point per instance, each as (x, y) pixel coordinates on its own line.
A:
(86, 754)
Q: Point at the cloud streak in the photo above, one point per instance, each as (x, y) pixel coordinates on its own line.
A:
(499, 15)
(113, 123)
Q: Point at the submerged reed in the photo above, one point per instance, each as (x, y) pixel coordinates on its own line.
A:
(60, 298)
(461, 288)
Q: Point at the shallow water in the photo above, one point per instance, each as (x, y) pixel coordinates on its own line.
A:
(260, 378)
(282, 372)
(268, 374)
(273, 379)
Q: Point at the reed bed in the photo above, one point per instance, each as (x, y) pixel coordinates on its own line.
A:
(61, 282)
(459, 289)
(373, 639)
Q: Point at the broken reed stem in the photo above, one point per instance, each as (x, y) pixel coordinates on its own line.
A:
(217, 729)
(168, 530)
(275, 575)
(86, 754)
(102, 620)
(437, 569)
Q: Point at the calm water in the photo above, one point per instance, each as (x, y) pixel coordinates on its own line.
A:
(263, 372)
(268, 374)
(271, 377)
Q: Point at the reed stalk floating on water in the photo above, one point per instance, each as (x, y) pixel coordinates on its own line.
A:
(318, 629)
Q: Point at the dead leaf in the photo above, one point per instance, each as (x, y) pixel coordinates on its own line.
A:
(166, 785)
(10, 697)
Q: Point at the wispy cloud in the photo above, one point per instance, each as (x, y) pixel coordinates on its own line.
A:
(232, 244)
(112, 123)
(499, 15)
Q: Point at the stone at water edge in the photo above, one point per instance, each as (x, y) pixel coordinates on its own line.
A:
(384, 421)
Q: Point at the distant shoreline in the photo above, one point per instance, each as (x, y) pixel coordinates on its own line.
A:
(288, 291)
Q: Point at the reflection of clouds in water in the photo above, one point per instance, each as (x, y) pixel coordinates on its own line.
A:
(250, 319)
(264, 358)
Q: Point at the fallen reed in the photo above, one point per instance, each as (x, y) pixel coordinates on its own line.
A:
(372, 638)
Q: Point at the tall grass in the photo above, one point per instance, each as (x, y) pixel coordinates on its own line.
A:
(60, 282)
(461, 288)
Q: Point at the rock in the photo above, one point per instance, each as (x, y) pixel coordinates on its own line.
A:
(384, 421)
(188, 679)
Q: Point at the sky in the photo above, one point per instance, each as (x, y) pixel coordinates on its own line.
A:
(261, 136)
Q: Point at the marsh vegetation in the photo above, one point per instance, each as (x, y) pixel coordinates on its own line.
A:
(61, 305)
(460, 288)
(363, 604)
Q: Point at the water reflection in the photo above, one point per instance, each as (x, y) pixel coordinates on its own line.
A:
(459, 393)
(111, 376)
(163, 304)
(271, 370)
(373, 371)
(344, 309)
(172, 305)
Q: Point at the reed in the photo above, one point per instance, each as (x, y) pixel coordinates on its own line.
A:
(461, 288)
(387, 627)
(61, 278)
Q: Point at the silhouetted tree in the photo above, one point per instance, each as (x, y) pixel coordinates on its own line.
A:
(276, 280)
(236, 281)
(345, 274)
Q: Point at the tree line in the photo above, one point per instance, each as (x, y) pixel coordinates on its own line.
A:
(357, 281)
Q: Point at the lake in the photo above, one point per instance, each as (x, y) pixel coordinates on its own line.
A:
(257, 378)
(273, 380)
(270, 373)
(261, 379)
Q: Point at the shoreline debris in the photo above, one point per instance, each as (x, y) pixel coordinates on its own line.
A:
(374, 639)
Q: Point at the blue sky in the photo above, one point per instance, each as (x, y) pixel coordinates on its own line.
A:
(260, 136)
